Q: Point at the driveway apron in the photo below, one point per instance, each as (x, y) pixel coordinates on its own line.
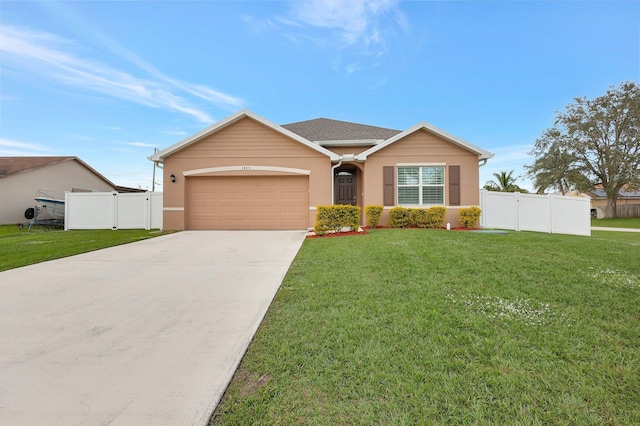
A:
(148, 333)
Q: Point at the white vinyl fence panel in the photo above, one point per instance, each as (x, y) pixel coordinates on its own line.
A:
(113, 210)
(532, 212)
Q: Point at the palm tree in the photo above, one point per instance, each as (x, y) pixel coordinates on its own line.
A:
(505, 182)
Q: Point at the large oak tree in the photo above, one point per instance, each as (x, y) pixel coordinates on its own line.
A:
(593, 142)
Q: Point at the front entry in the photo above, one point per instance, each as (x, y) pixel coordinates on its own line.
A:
(346, 187)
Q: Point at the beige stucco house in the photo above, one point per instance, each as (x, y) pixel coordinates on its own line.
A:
(627, 203)
(22, 177)
(246, 172)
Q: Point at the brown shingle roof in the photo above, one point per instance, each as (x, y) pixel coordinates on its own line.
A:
(324, 129)
(12, 165)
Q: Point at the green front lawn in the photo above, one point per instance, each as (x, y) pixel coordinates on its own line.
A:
(621, 222)
(21, 247)
(448, 327)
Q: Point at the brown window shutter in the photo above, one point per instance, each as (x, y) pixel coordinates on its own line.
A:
(454, 185)
(388, 173)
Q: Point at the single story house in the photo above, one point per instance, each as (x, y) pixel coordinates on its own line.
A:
(626, 197)
(22, 177)
(246, 172)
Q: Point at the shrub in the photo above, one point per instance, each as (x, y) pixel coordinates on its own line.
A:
(373, 215)
(399, 217)
(334, 218)
(418, 217)
(435, 217)
(469, 217)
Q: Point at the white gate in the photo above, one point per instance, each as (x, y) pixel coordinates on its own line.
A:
(113, 210)
(532, 212)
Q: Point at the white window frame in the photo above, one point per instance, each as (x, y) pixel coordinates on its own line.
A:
(420, 185)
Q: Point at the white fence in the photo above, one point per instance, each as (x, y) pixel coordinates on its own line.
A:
(531, 212)
(113, 210)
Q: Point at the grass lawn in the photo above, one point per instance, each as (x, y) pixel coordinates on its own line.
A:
(20, 247)
(436, 327)
(621, 222)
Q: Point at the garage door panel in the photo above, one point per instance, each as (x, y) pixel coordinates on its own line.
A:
(256, 202)
(293, 195)
(268, 196)
(293, 210)
(267, 210)
(232, 196)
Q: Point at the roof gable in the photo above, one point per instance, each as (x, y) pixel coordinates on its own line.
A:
(14, 165)
(481, 153)
(161, 155)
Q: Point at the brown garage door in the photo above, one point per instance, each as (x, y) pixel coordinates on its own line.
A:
(248, 202)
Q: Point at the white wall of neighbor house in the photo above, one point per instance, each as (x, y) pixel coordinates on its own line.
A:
(113, 210)
(532, 212)
(17, 191)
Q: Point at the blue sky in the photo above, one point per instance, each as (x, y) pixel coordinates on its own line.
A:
(110, 80)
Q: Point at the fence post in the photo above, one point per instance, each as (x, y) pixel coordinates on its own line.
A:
(147, 225)
(552, 212)
(483, 203)
(517, 212)
(115, 211)
(66, 210)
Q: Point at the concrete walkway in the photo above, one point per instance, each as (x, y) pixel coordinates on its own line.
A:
(604, 228)
(148, 333)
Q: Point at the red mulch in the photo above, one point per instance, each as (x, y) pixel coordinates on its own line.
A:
(365, 228)
(338, 234)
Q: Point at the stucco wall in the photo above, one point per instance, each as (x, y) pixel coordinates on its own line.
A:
(245, 143)
(17, 191)
(423, 147)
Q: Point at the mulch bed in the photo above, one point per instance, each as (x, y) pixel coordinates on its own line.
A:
(366, 228)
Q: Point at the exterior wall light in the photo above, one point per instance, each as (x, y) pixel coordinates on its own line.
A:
(173, 178)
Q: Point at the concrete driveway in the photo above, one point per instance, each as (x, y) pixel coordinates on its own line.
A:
(148, 333)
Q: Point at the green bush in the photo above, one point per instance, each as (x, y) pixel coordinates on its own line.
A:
(435, 217)
(399, 217)
(469, 217)
(334, 218)
(418, 217)
(373, 215)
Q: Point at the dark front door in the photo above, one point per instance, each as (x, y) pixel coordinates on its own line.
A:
(346, 187)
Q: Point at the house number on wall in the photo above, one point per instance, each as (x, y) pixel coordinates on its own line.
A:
(246, 167)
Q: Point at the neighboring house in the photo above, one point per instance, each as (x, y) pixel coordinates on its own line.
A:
(599, 200)
(22, 177)
(246, 172)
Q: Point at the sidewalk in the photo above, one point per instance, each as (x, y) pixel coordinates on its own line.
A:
(604, 228)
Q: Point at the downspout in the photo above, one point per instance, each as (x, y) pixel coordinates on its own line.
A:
(483, 162)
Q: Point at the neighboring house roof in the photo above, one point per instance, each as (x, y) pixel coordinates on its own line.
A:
(123, 189)
(482, 154)
(599, 193)
(160, 155)
(14, 165)
(324, 131)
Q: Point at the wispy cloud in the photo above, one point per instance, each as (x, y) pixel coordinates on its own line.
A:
(356, 22)
(51, 57)
(141, 144)
(174, 132)
(9, 147)
(361, 26)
